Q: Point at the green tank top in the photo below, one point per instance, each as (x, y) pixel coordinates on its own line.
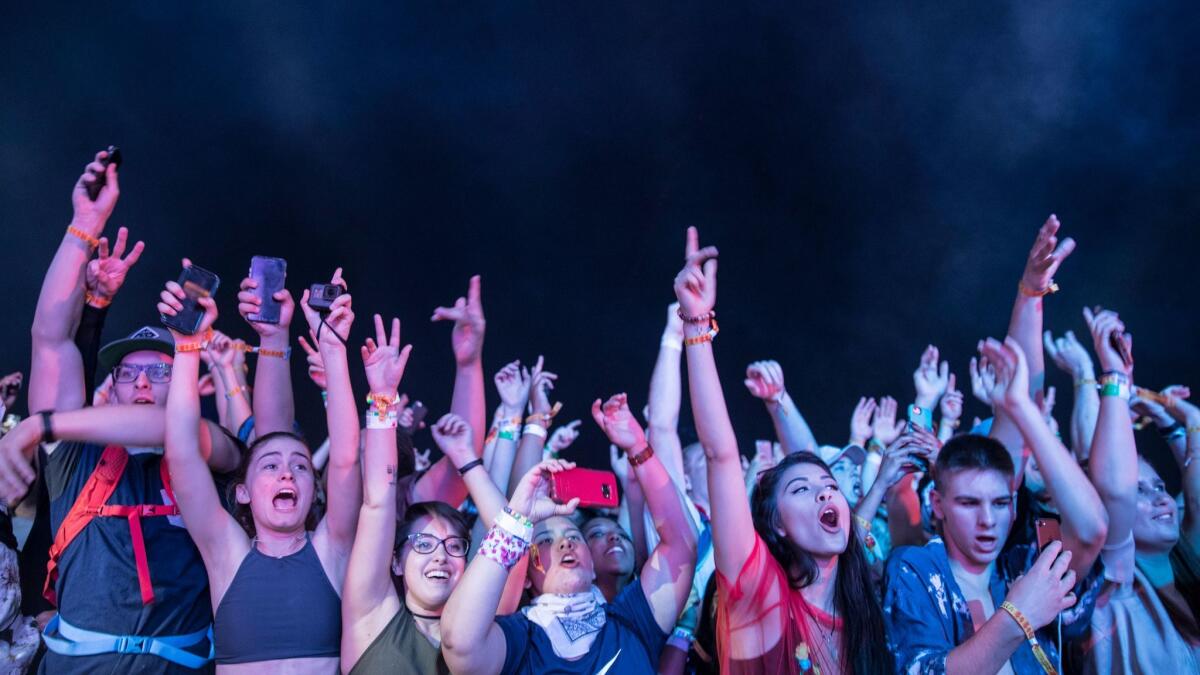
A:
(401, 648)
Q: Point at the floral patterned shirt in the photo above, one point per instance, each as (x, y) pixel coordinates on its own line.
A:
(927, 615)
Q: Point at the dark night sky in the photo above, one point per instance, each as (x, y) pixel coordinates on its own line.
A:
(873, 174)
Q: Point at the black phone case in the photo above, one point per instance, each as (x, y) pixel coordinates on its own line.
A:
(196, 283)
(270, 273)
(114, 157)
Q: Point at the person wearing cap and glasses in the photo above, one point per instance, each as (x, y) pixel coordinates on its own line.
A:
(128, 582)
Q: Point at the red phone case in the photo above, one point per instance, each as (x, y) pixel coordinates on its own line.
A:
(1048, 530)
(594, 488)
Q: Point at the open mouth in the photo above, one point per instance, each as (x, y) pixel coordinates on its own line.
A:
(437, 575)
(615, 549)
(569, 560)
(1165, 517)
(143, 400)
(829, 518)
(285, 500)
(986, 542)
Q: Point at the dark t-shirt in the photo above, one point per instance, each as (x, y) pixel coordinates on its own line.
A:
(629, 643)
(97, 577)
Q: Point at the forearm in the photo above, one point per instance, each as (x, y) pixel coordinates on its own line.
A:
(1191, 488)
(529, 454)
(237, 404)
(635, 505)
(666, 393)
(487, 497)
(441, 483)
(274, 408)
(790, 426)
(1113, 466)
(1025, 326)
(1084, 521)
(469, 615)
(467, 400)
(989, 649)
(708, 401)
(868, 506)
(341, 411)
(60, 301)
(182, 419)
(1084, 414)
(87, 341)
(367, 575)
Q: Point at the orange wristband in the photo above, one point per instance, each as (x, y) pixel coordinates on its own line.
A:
(97, 301)
(1035, 292)
(83, 236)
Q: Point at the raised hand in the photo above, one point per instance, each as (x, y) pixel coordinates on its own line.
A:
(542, 383)
(90, 216)
(316, 365)
(170, 303)
(860, 421)
(952, 403)
(1045, 256)
(885, 425)
(249, 303)
(1179, 407)
(531, 497)
(469, 325)
(764, 379)
(618, 423)
(1069, 355)
(421, 461)
(696, 283)
(619, 462)
(16, 450)
(453, 435)
(513, 383)
(384, 359)
(764, 456)
(564, 436)
(1045, 589)
(332, 330)
(220, 352)
(105, 274)
(898, 458)
(674, 326)
(983, 378)
(930, 379)
(1108, 331)
(10, 388)
(1011, 388)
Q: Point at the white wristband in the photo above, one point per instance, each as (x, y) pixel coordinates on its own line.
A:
(671, 342)
(536, 430)
(510, 525)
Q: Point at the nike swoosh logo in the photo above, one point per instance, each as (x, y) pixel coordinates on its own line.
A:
(610, 663)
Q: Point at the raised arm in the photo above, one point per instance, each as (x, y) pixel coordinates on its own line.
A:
(732, 524)
(512, 383)
(56, 379)
(666, 395)
(666, 577)
(1072, 358)
(1187, 414)
(1113, 464)
(1084, 523)
(221, 541)
(273, 404)
(952, 410)
(472, 643)
(537, 424)
(384, 361)
(1025, 326)
(930, 380)
(368, 598)
(764, 379)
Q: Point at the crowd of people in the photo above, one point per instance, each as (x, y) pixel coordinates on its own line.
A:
(141, 536)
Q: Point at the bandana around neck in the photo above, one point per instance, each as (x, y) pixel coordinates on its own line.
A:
(570, 620)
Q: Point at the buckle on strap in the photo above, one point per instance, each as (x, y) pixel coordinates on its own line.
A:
(133, 644)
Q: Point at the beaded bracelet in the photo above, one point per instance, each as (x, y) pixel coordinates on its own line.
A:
(83, 236)
(1026, 628)
(1037, 293)
(503, 547)
(703, 318)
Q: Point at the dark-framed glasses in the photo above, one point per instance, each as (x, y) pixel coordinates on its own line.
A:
(159, 373)
(427, 543)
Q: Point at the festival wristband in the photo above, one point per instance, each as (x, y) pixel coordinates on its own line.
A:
(277, 353)
(1085, 382)
(704, 337)
(671, 342)
(384, 420)
(514, 523)
(642, 456)
(1035, 292)
(1029, 635)
(536, 430)
(96, 301)
(83, 236)
(502, 547)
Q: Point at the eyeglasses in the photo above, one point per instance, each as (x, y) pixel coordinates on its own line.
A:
(159, 373)
(427, 543)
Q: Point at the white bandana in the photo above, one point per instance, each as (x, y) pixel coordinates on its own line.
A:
(571, 620)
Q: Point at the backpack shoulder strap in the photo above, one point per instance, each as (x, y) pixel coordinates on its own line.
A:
(95, 493)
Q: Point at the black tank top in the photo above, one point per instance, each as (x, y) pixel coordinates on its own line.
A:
(401, 648)
(278, 608)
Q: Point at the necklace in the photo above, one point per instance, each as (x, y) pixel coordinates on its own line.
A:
(291, 546)
(427, 617)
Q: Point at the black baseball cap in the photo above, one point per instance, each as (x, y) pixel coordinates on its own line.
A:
(146, 338)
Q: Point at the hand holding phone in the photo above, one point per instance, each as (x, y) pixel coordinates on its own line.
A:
(113, 157)
(269, 275)
(196, 283)
(593, 488)
(1048, 530)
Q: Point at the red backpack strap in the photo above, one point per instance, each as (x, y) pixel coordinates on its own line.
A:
(99, 487)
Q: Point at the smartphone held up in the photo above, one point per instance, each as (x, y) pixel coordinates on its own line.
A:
(196, 283)
(269, 275)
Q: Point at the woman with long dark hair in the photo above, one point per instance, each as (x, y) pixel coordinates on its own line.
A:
(793, 582)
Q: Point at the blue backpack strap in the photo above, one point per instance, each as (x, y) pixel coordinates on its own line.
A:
(75, 641)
